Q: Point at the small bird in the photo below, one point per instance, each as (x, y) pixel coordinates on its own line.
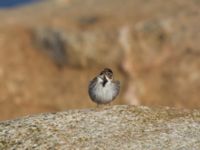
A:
(103, 88)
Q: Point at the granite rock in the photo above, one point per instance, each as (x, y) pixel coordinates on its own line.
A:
(152, 47)
(108, 127)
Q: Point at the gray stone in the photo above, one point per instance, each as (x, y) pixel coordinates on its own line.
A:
(152, 46)
(116, 127)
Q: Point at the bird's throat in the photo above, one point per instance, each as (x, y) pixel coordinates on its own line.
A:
(104, 82)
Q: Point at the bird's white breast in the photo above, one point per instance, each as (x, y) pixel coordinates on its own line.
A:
(104, 93)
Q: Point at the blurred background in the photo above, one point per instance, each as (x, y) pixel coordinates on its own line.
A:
(49, 50)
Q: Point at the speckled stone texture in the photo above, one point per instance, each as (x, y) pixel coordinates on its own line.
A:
(108, 127)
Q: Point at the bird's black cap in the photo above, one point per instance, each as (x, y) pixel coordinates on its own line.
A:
(107, 70)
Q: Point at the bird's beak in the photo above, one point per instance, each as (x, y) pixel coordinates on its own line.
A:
(104, 78)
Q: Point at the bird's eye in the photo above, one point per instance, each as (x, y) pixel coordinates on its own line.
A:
(109, 75)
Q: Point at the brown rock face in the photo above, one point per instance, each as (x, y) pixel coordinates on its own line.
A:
(50, 50)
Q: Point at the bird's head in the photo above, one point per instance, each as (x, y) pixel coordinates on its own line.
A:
(106, 75)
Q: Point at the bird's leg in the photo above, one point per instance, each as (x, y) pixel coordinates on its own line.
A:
(98, 105)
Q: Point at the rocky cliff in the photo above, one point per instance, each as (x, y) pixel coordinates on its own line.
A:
(116, 127)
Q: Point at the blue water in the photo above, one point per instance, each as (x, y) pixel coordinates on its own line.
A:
(13, 3)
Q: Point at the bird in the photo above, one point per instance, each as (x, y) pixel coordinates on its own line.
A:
(103, 89)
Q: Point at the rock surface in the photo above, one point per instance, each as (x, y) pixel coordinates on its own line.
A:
(109, 127)
(50, 50)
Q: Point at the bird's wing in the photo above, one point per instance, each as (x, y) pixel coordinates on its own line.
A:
(117, 87)
(92, 83)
